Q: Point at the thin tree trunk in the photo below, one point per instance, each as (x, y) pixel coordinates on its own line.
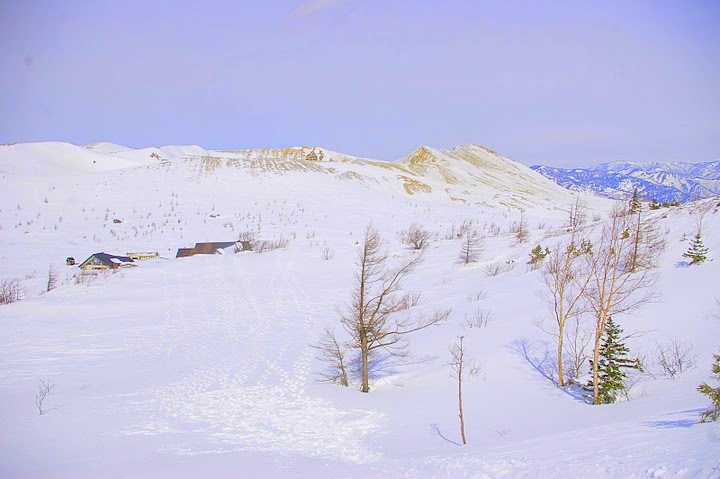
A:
(460, 408)
(364, 356)
(595, 368)
(636, 245)
(561, 375)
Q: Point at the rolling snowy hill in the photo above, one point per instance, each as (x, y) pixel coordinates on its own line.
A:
(200, 366)
(663, 182)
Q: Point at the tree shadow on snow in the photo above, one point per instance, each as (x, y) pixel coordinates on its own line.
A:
(436, 430)
(672, 424)
(684, 423)
(682, 264)
(539, 356)
(379, 366)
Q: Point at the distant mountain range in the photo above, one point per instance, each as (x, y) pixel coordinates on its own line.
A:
(663, 182)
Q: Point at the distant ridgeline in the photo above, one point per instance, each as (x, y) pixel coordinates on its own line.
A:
(664, 182)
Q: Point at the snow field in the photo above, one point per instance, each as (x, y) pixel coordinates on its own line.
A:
(202, 366)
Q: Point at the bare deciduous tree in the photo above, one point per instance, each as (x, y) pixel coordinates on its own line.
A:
(714, 314)
(461, 367)
(373, 319)
(249, 236)
(613, 287)
(416, 236)
(466, 226)
(576, 348)
(565, 285)
(647, 243)
(10, 291)
(674, 357)
(52, 278)
(699, 212)
(44, 392)
(410, 300)
(519, 229)
(332, 353)
(472, 246)
(327, 254)
(577, 214)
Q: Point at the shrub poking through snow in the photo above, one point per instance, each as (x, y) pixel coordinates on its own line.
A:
(477, 319)
(10, 291)
(712, 414)
(44, 392)
(674, 357)
(416, 236)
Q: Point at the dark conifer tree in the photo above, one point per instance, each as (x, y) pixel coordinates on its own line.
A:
(712, 414)
(538, 255)
(697, 251)
(613, 361)
(634, 206)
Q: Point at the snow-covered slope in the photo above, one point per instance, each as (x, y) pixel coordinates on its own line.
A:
(107, 147)
(664, 182)
(469, 169)
(49, 159)
(201, 366)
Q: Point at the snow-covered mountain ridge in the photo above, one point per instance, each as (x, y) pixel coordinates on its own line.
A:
(663, 182)
(468, 173)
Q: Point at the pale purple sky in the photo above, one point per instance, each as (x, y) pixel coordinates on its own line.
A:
(566, 83)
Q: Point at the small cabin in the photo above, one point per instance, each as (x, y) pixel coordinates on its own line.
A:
(217, 247)
(143, 255)
(104, 261)
(70, 261)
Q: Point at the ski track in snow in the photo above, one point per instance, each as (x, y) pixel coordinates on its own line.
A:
(242, 398)
(595, 453)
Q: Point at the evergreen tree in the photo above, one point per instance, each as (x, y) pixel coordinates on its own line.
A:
(538, 255)
(634, 203)
(586, 247)
(713, 414)
(613, 361)
(697, 251)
